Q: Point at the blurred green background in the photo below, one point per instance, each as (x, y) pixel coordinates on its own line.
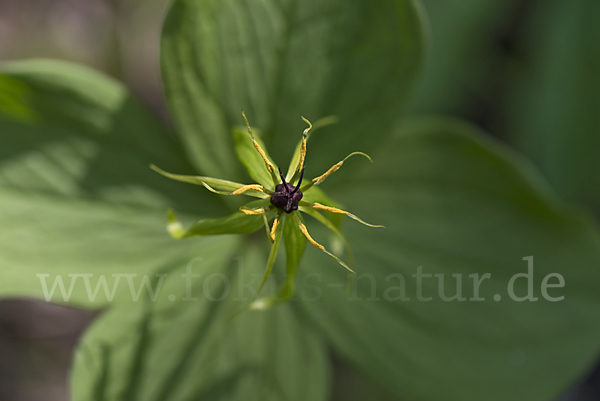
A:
(528, 72)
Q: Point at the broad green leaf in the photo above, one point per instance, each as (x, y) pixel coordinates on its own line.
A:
(281, 59)
(76, 194)
(468, 54)
(555, 97)
(189, 349)
(12, 99)
(456, 204)
(350, 385)
(251, 159)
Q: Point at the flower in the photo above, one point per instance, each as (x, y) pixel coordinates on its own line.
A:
(78, 203)
(281, 204)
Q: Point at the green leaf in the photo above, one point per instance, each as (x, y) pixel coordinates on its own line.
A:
(251, 159)
(188, 349)
(456, 203)
(76, 194)
(555, 97)
(467, 59)
(235, 223)
(279, 60)
(13, 100)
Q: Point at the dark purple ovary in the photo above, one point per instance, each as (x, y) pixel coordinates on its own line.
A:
(287, 196)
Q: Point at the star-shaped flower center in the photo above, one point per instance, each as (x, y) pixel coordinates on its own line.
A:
(283, 200)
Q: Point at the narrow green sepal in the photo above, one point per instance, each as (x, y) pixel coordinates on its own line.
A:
(250, 158)
(273, 253)
(255, 304)
(316, 194)
(235, 223)
(212, 184)
(295, 243)
(174, 226)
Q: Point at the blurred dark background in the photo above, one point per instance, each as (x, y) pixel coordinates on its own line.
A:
(525, 71)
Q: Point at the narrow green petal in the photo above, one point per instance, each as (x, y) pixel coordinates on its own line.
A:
(340, 261)
(216, 185)
(323, 122)
(354, 217)
(266, 222)
(235, 223)
(333, 169)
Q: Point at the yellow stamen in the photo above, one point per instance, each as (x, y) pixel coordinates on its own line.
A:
(245, 188)
(309, 238)
(332, 170)
(300, 164)
(304, 231)
(264, 156)
(318, 206)
(251, 212)
(302, 155)
(262, 153)
(303, 146)
(275, 224)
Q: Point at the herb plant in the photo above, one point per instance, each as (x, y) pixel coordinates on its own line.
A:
(425, 317)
